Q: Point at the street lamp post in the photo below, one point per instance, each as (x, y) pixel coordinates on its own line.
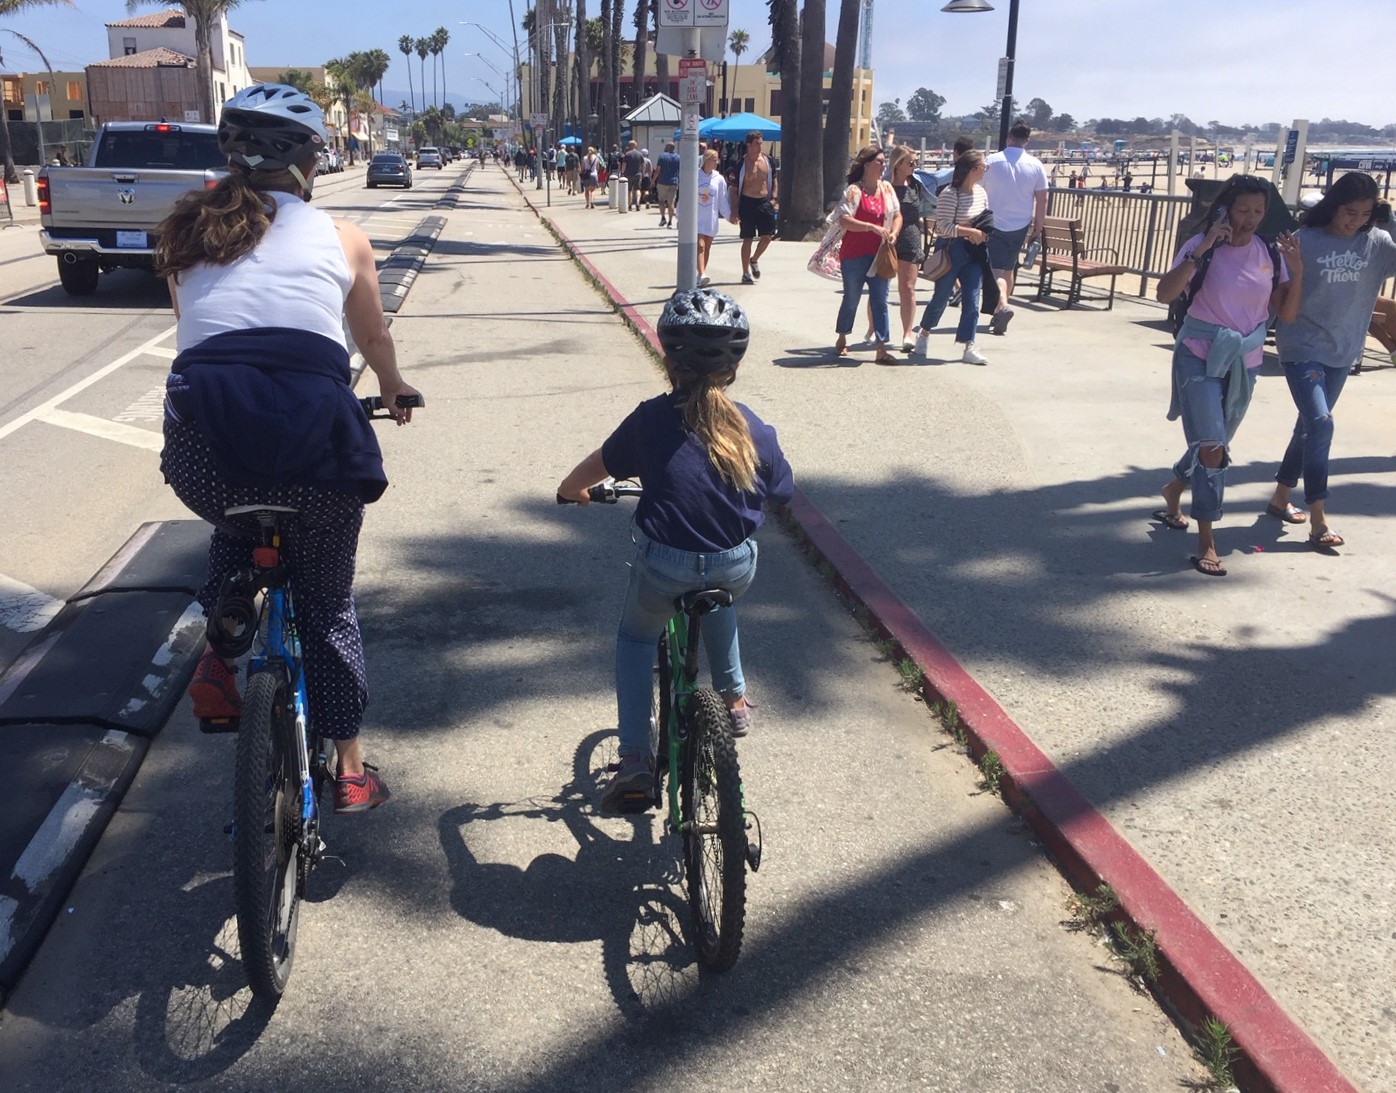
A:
(970, 7)
(508, 51)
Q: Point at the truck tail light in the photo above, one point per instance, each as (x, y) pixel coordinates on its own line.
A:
(210, 184)
(45, 205)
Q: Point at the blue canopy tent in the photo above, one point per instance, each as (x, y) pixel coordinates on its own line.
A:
(570, 140)
(738, 126)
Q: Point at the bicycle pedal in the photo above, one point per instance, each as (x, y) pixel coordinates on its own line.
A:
(211, 726)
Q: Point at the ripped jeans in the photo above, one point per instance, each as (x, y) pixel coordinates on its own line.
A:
(1315, 389)
(1201, 399)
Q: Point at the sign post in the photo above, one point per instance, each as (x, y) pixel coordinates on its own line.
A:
(693, 17)
(540, 127)
(5, 196)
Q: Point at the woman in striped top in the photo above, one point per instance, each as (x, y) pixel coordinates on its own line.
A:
(956, 208)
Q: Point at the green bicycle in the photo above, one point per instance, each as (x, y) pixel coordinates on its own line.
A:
(706, 804)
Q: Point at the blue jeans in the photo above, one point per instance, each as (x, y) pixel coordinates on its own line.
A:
(659, 575)
(1201, 398)
(1315, 390)
(856, 271)
(964, 267)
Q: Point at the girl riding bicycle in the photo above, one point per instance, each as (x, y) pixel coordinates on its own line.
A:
(708, 465)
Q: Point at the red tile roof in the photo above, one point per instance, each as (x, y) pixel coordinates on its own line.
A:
(170, 17)
(160, 57)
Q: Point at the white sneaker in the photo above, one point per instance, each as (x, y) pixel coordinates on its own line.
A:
(869, 337)
(922, 344)
(973, 356)
(704, 282)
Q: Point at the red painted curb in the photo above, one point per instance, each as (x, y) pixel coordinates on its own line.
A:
(1199, 976)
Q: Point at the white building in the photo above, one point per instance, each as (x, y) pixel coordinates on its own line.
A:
(173, 30)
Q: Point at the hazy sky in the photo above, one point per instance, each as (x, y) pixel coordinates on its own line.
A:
(1259, 61)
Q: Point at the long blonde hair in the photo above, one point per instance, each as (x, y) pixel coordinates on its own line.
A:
(220, 225)
(712, 416)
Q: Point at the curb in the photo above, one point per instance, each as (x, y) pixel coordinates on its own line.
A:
(1199, 976)
(399, 270)
(73, 751)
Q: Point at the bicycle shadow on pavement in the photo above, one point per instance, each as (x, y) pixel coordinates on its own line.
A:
(619, 891)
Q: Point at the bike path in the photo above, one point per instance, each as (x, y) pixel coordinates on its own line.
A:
(1230, 736)
(486, 930)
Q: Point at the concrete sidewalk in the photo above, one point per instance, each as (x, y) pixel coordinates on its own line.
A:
(489, 931)
(1236, 731)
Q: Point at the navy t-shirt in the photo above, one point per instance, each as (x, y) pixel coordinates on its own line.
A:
(668, 164)
(687, 504)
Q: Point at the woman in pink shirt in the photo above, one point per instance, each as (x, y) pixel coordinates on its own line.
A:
(1220, 346)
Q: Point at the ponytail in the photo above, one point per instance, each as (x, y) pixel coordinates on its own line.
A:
(220, 225)
(712, 416)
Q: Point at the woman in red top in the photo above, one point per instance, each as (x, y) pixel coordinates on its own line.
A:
(868, 214)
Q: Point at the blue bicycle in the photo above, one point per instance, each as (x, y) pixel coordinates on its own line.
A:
(282, 764)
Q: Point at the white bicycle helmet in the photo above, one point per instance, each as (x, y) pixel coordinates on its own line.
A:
(271, 127)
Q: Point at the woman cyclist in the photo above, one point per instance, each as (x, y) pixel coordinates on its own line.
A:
(708, 465)
(258, 404)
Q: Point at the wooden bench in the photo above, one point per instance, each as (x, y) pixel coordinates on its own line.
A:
(1064, 251)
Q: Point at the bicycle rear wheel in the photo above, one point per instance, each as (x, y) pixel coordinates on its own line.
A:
(266, 836)
(714, 832)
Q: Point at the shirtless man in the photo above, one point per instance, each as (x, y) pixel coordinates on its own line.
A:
(756, 206)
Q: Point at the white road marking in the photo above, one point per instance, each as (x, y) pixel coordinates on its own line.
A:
(107, 430)
(149, 407)
(101, 373)
(23, 609)
(163, 351)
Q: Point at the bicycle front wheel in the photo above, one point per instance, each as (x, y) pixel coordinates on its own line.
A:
(714, 832)
(266, 836)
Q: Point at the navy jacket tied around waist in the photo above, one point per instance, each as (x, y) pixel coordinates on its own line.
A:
(276, 409)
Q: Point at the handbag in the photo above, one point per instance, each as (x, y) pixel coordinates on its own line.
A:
(937, 263)
(885, 263)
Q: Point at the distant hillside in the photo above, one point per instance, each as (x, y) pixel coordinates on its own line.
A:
(392, 96)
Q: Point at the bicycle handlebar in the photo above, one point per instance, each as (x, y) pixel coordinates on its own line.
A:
(374, 403)
(606, 493)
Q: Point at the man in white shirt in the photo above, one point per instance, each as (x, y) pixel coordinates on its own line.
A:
(1016, 183)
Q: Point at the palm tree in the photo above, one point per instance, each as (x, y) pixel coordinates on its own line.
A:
(738, 42)
(13, 7)
(376, 65)
(367, 106)
(785, 56)
(615, 43)
(440, 37)
(583, 70)
(661, 60)
(405, 45)
(423, 47)
(642, 36)
(204, 13)
(839, 114)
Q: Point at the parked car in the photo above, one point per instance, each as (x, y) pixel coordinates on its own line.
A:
(389, 169)
(104, 217)
(331, 161)
(430, 157)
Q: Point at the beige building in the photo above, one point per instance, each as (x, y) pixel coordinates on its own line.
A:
(67, 93)
(751, 88)
(172, 30)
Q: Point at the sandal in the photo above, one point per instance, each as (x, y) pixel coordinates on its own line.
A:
(1170, 520)
(841, 347)
(1289, 513)
(1208, 567)
(1326, 540)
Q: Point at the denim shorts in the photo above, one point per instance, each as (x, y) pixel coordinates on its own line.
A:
(1004, 247)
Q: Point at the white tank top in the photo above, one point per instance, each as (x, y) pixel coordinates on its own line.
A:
(296, 277)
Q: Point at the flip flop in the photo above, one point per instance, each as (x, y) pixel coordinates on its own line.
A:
(1207, 567)
(1326, 541)
(1289, 514)
(1168, 520)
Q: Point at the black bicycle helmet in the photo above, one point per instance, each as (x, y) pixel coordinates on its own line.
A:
(270, 127)
(704, 331)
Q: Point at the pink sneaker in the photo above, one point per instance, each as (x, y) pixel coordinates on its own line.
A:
(359, 793)
(214, 689)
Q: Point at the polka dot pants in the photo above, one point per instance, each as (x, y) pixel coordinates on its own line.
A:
(319, 552)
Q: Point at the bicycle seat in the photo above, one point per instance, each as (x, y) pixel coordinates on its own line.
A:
(703, 603)
(263, 515)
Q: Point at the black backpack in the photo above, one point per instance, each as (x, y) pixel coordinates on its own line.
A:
(1178, 309)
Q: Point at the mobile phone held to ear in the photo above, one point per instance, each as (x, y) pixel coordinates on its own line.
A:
(1221, 215)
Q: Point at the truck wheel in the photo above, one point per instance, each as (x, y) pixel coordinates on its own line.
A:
(79, 278)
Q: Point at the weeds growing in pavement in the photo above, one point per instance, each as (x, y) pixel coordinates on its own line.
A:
(912, 676)
(991, 771)
(1216, 1050)
(884, 647)
(1138, 949)
(1089, 912)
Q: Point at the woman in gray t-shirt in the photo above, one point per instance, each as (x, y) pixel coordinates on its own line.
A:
(1347, 255)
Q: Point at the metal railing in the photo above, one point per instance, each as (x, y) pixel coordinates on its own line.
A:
(1143, 228)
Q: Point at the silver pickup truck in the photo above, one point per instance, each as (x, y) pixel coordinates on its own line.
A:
(103, 216)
